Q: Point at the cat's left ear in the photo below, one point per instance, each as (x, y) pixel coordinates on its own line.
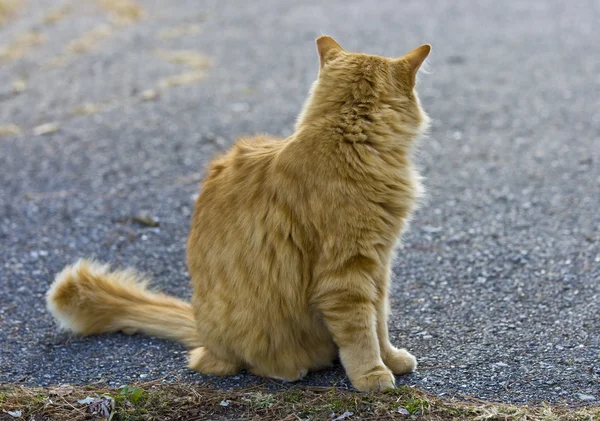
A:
(415, 59)
(328, 49)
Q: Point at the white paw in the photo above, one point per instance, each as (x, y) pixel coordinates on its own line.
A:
(400, 361)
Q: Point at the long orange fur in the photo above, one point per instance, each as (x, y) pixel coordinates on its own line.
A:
(291, 241)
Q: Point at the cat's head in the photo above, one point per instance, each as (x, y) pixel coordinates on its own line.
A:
(363, 81)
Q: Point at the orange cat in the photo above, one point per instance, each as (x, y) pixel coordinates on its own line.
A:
(291, 242)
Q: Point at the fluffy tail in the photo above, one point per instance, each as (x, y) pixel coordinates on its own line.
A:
(88, 299)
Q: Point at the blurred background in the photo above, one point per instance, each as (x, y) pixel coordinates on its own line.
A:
(110, 109)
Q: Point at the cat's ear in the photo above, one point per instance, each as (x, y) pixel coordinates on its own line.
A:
(415, 59)
(328, 49)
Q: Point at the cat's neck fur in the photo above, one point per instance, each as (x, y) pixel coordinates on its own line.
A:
(373, 120)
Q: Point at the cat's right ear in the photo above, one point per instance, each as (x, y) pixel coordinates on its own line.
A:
(328, 49)
(414, 60)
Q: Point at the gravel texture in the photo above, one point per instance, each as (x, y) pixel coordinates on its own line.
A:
(497, 288)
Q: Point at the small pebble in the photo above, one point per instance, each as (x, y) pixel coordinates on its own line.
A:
(584, 397)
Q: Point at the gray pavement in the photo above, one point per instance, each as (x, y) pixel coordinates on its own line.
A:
(497, 287)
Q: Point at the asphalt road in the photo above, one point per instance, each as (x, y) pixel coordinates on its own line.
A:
(497, 288)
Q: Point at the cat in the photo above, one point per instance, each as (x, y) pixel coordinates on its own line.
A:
(292, 239)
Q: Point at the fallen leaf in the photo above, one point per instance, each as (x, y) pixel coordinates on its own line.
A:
(86, 401)
(403, 411)
(47, 128)
(146, 220)
(102, 406)
(135, 394)
(345, 415)
(14, 414)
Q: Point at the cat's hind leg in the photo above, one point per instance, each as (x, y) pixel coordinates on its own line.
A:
(201, 359)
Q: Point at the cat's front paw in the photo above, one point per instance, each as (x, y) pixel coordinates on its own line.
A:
(400, 361)
(378, 379)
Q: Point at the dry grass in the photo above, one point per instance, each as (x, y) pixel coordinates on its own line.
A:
(122, 11)
(85, 43)
(154, 401)
(180, 31)
(56, 15)
(21, 45)
(56, 62)
(89, 108)
(186, 58)
(47, 195)
(191, 59)
(10, 130)
(8, 8)
(180, 79)
(89, 40)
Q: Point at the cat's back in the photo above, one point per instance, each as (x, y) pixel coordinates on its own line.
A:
(235, 178)
(248, 158)
(237, 204)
